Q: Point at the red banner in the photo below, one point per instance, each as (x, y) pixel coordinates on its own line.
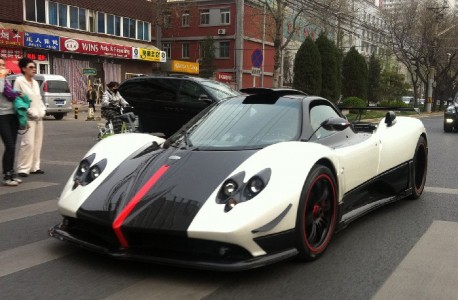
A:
(9, 37)
(95, 48)
(224, 77)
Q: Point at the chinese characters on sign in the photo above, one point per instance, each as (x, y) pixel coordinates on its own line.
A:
(44, 41)
(149, 54)
(11, 38)
(11, 53)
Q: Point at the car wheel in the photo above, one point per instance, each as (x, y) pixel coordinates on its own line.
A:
(420, 168)
(448, 128)
(317, 213)
(59, 116)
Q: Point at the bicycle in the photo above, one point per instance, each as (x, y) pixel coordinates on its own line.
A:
(129, 124)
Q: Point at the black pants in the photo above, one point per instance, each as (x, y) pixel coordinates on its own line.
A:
(9, 126)
(91, 104)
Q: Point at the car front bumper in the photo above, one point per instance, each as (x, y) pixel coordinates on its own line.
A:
(191, 254)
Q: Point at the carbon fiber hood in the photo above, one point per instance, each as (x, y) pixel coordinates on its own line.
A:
(173, 201)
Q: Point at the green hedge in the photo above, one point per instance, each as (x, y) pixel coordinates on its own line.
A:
(354, 102)
(393, 103)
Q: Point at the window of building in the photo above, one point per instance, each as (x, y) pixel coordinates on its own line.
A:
(185, 50)
(167, 20)
(63, 9)
(140, 30)
(185, 19)
(100, 22)
(225, 16)
(125, 27)
(132, 28)
(110, 24)
(77, 18)
(223, 50)
(53, 13)
(35, 11)
(205, 17)
(167, 48)
(117, 26)
(146, 36)
(82, 19)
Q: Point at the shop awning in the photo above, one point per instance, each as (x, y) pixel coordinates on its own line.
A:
(12, 65)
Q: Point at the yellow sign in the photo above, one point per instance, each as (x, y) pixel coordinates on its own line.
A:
(179, 66)
(151, 55)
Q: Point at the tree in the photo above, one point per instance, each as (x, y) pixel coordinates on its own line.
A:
(279, 10)
(307, 68)
(392, 84)
(373, 87)
(207, 64)
(329, 68)
(354, 75)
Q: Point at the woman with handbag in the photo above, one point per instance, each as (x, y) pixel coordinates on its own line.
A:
(9, 126)
(28, 159)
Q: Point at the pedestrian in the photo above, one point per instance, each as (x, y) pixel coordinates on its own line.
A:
(111, 105)
(91, 96)
(28, 159)
(9, 125)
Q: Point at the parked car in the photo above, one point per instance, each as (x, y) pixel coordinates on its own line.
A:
(451, 118)
(165, 103)
(54, 92)
(253, 180)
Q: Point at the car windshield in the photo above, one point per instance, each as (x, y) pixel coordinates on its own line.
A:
(237, 125)
(218, 90)
(57, 86)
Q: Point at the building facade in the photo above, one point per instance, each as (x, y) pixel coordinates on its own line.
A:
(187, 25)
(84, 41)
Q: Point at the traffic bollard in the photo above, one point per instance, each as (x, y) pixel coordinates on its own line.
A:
(76, 112)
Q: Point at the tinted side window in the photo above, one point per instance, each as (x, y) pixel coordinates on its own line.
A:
(318, 114)
(150, 89)
(57, 86)
(190, 91)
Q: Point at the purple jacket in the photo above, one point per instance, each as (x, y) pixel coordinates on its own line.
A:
(8, 91)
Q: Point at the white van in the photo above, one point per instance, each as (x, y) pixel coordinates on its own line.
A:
(55, 93)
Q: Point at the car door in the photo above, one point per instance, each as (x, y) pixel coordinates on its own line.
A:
(192, 99)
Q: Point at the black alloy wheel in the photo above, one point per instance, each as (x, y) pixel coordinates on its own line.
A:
(420, 166)
(317, 213)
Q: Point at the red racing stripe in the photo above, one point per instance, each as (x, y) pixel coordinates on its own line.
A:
(133, 202)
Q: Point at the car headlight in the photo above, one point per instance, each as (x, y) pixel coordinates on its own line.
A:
(450, 109)
(255, 186)
(94, 172)
(85, 164)
(229, 188)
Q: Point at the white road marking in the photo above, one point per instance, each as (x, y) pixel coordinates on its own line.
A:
(167, 288)
(29, 210)
(31, 255)
(26, 186)
(440, 190)
(60, 162)
(430, 270)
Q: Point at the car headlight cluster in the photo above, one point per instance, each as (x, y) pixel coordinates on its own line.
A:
(87, 171)
(235, 190)
(451, 109)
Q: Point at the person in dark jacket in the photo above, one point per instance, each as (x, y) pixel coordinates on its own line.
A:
(8, 130)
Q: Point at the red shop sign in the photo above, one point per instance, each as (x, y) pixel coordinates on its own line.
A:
(95, 48)
(9, 37)
(11, 53)
(224, 77)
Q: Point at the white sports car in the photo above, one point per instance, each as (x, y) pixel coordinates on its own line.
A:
(250, 181)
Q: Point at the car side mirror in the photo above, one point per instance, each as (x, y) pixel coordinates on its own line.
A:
(205, 98)
(390, 118)
(335, 124)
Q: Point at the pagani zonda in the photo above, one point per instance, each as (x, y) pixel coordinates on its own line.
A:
(250, 181)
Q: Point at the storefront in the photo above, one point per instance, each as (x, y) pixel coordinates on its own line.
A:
(112, 60)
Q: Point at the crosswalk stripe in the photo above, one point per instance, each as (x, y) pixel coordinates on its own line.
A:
(29, 210)
(430, 269)
(167, 288)
(59, 162)
(26, 186)
(440, 190)
(31, 255)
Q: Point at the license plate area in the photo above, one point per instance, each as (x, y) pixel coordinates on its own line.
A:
(59, 101)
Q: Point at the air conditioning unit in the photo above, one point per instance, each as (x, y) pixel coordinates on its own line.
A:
(221, 31)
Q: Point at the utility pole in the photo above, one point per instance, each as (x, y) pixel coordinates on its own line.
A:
(239, 44)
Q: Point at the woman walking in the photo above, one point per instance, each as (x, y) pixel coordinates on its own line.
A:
(9, 125)
(28, 160)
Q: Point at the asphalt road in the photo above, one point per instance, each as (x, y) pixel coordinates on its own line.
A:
(360, 263)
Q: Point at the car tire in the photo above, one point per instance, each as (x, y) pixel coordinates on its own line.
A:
(59, 116)
(420, 168)
(317, 213)
(447, 128)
